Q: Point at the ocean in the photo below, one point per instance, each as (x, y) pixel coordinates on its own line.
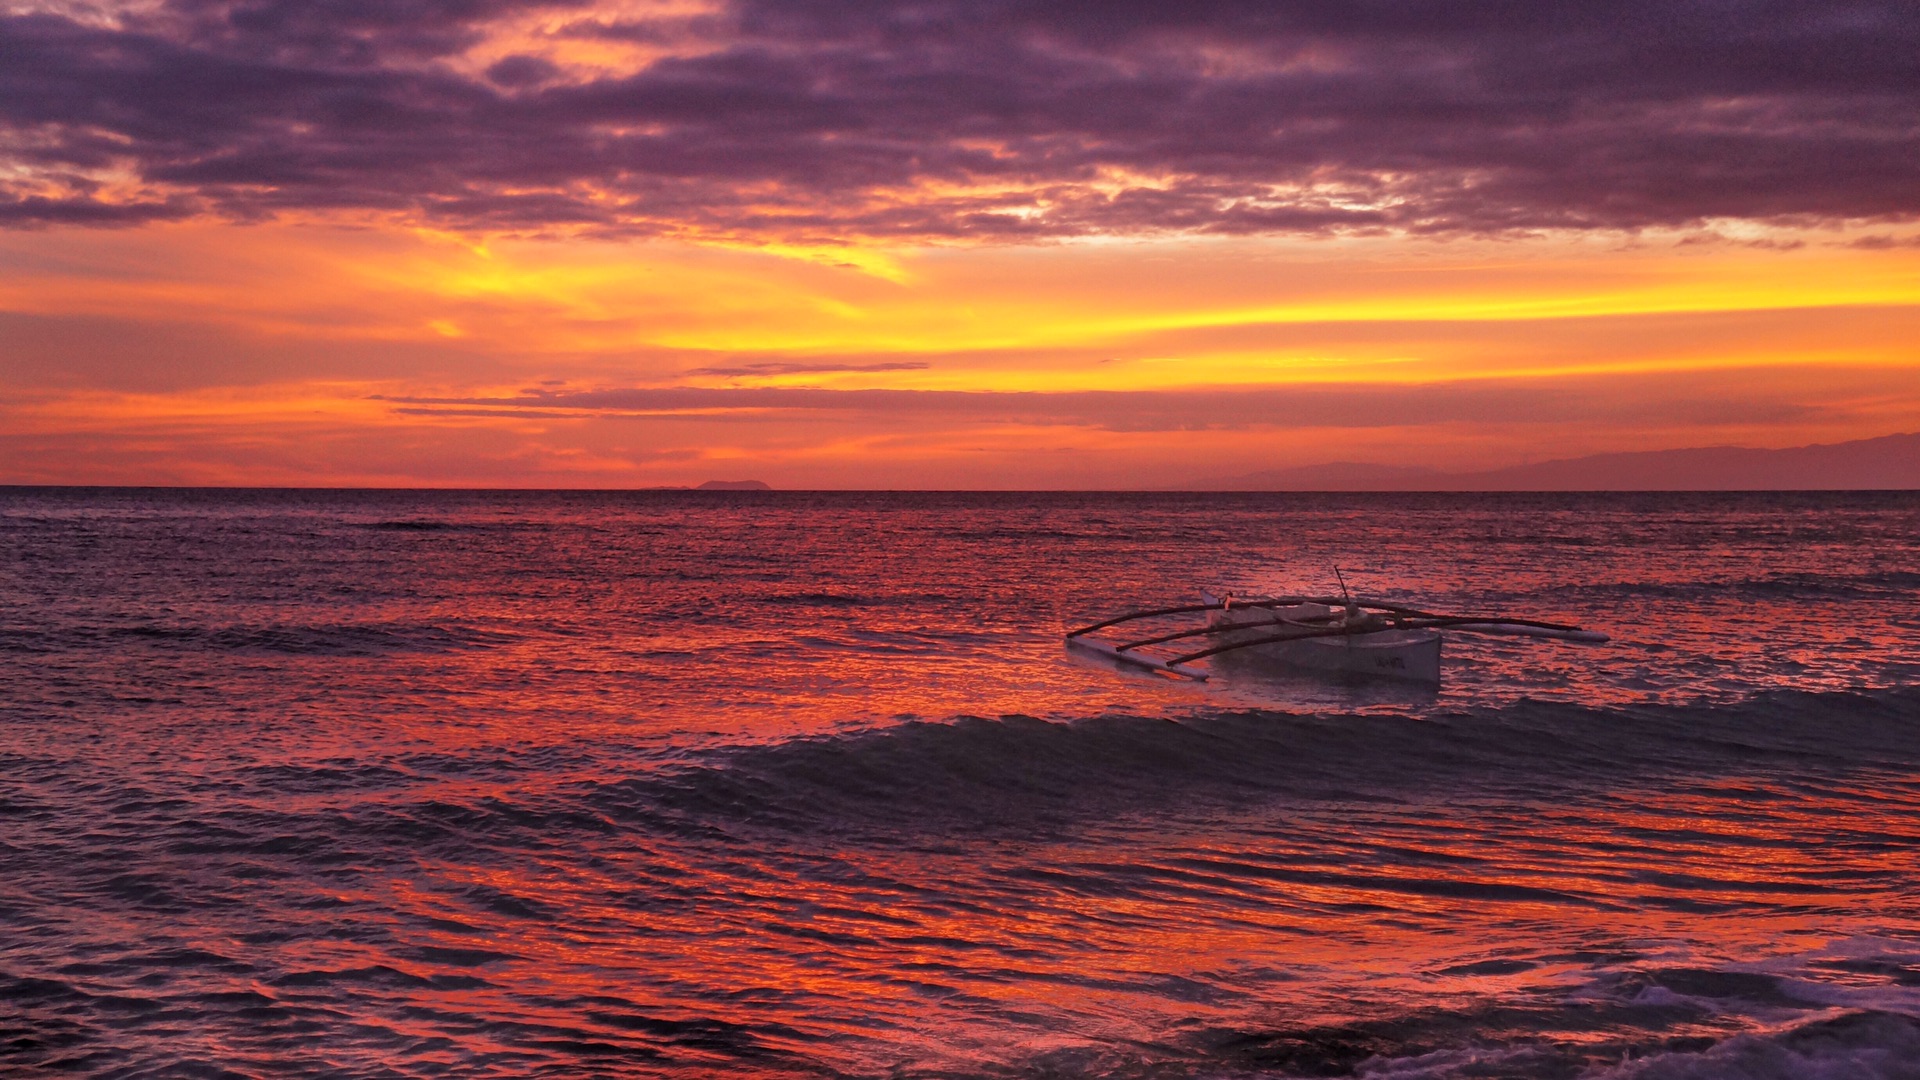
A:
(504, 784)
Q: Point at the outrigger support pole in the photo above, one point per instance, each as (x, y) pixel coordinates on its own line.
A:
(1518, 627)
(1267, 602)
(1275, 639)
(1135, 659)
(1132, 615)
(1217, 628)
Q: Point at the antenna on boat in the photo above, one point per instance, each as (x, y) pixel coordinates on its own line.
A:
(1353, 609)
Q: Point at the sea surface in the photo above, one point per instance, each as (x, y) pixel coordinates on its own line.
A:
(430, 784)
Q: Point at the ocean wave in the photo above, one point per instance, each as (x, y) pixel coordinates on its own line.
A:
(1850, 1046)
(1637, 1021)
(1018, 771)
(1826, 586)
(410, 525)
(320, 639)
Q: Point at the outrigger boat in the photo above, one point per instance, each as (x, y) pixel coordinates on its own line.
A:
(1340, 634)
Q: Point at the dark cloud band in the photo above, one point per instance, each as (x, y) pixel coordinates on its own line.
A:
(1198, 409)
(824, 119)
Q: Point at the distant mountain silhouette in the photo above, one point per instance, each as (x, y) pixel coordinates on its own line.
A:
(734, 485)
(1890, 462)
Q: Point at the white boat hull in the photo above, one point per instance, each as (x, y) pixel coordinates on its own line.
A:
(1411, 655)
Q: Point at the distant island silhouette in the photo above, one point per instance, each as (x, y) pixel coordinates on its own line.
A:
(714, 485)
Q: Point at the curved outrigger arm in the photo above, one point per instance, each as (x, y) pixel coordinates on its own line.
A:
(1112, 653)
(1522, 628)
(1263, 602)
(1176, 666)
(1475, 624)
(1186, 609)
(1298, 634)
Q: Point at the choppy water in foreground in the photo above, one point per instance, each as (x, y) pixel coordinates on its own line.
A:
(437, 784)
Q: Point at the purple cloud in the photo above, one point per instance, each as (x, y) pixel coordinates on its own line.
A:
(999, 120)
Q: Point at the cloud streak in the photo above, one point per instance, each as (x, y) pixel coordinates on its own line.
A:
(809, 120)
(1232, 408)
(772, 368)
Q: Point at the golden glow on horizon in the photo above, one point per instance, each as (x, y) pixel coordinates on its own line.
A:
(587, 297)
(286, 325)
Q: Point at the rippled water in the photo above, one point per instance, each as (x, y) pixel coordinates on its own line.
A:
(437, 784)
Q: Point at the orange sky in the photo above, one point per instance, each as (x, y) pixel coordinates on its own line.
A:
(643, 243)
(274, 354)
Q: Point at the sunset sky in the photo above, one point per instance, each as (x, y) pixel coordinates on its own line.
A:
(943, 244)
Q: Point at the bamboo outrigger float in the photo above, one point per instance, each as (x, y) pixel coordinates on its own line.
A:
(1341, 634)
